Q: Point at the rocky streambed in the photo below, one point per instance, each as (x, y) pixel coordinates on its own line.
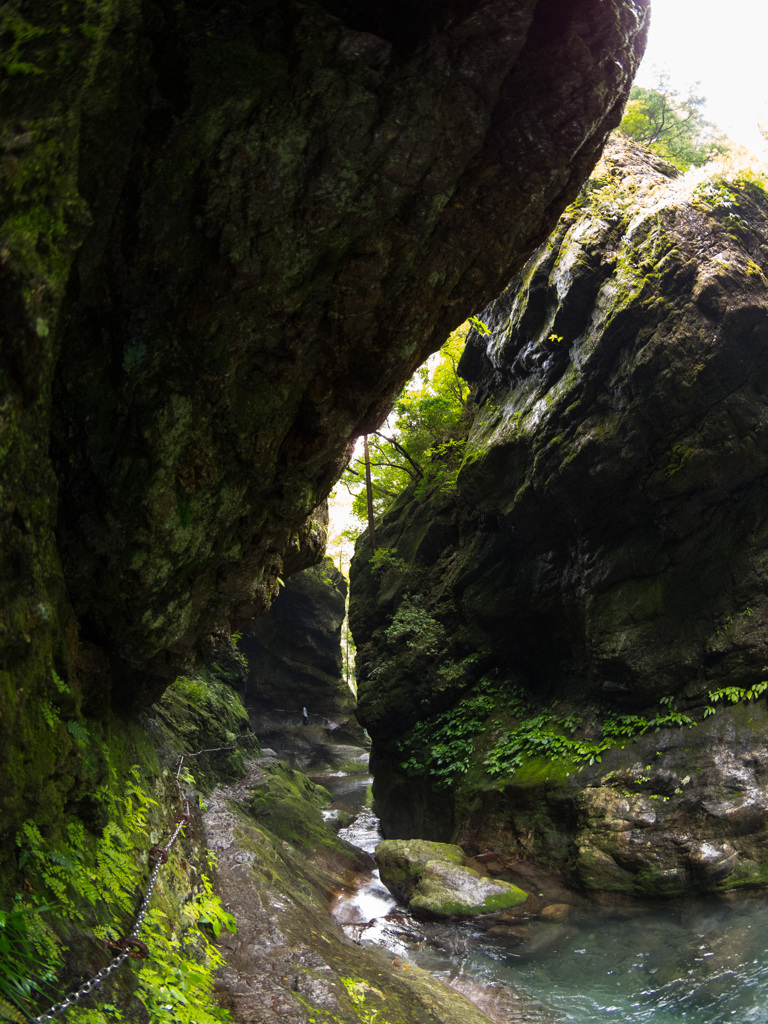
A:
(279, 865)
(561, 956)
(320, 937)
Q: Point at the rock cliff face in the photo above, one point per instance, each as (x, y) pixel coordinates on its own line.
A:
(228, 233)
(605, 548)
(294, 651)
(242, 196)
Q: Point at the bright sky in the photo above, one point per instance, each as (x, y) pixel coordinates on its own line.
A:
(721, 44)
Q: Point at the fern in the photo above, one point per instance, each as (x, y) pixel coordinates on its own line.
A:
(8, 1012)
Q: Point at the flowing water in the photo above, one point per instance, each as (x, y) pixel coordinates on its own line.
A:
(702, 962)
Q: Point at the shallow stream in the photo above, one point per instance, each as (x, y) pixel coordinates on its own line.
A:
(703, 962)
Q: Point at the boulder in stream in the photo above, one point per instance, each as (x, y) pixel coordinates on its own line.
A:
(445, 889)
(402, 861)
(434, 881)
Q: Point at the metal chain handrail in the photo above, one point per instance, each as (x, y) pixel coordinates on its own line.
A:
(131, 945)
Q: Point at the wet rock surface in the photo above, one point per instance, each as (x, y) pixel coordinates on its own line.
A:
(446, 889)
(294, 654)
(434, 881)
(288, 961)
(603, 551)
(402, 861)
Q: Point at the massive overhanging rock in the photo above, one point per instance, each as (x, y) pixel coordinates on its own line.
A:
(600, 562)
(235, 230)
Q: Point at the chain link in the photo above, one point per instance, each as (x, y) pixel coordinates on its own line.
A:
(160, 857)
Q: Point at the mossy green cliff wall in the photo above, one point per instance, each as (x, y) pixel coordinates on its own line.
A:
(601, 562)
(228, 233)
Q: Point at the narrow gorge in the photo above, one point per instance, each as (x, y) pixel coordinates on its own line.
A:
(230, 232)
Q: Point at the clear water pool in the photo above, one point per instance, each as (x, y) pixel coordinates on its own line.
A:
(693, 962)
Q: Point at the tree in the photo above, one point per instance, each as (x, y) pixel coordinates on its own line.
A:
(671, 126)
(422, 435)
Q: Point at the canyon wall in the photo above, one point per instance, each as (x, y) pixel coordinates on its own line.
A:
(562, 628)
(229, 232)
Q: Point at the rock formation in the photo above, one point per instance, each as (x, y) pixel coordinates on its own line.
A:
(603, 552)
(433, 880)
(294, 651)
(228, 233)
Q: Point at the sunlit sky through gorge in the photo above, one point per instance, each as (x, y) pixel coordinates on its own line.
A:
(721, 44)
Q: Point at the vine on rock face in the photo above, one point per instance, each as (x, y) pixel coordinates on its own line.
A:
(501, 731)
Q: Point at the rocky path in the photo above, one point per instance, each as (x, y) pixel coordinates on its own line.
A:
(288, 961)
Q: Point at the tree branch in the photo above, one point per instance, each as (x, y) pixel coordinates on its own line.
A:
(403, 452)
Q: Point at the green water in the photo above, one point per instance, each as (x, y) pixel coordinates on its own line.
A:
(686, 962)
(701, 962)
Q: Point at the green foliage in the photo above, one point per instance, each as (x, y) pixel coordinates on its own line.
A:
(176, 983)
(27, 953)
(539, 736)
(443, 470)
(716, 195)
(672, 126)
(211, 912)
(384, 559)
(746, 176)
(734, 695)
(479, 325)
(412, 624)
(92, 881)
(8, 1012)
(18, 32)
(425, 442)
(503, 730)
(442, 745)
(96, 883)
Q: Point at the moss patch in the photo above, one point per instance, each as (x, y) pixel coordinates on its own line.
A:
(288, 804)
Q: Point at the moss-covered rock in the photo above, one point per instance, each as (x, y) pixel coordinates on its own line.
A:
(401, 862)
(214, 190)
(603, 571)
(433, 880)
(446, 889)
(288, 804)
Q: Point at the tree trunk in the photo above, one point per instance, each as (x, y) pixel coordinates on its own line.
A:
(369, 492)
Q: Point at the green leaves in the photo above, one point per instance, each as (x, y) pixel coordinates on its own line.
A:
(501, 729)
(734, 695)
(25, 951)
(210, 912)
(413, 625)
(672, 126)
(479, 325)
(424, 439)
(175, 985)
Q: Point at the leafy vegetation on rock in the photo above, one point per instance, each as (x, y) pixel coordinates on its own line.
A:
(83, 881)
(498, 729)
(672, 126)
